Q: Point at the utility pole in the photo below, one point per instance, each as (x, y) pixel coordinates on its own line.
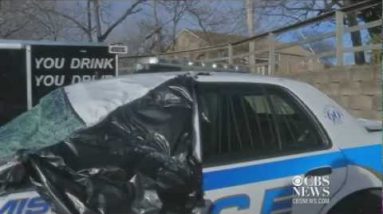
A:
(250, 29)
(250, 16)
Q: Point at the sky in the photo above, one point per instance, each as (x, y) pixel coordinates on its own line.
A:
(232, 11)
(130, 25)
(235, 9)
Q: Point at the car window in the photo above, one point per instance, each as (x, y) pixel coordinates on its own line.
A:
(252, 122)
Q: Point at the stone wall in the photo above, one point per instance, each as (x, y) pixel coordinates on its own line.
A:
(356, 88)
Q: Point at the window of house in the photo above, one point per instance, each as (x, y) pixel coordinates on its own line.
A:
(240, 123)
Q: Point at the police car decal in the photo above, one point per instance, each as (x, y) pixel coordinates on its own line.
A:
(334, 114)
(24, 203)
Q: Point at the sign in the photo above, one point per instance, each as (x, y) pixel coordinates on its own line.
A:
(56, 66)
(311, 189)
(118, 49)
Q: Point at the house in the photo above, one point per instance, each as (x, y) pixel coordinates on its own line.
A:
(192, 39)
(288, 60)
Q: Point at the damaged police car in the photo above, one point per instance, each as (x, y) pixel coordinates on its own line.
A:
(169, 142)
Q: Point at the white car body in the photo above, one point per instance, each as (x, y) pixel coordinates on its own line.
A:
(255, 186)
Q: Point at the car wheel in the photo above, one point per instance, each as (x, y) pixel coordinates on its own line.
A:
(363, 202)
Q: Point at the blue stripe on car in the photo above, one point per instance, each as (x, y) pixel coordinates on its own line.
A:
(366, 156)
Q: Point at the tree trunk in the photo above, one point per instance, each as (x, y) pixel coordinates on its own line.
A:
(98, 20)
(89, 17)
(158, 34)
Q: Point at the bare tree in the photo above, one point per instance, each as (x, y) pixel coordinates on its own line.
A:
(159, 32)
(177, 9)
(102, 35)
(91, 24)
(23, 21)
(157, 45)
(207, 16)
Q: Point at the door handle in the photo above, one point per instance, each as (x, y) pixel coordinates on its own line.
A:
(321, 171)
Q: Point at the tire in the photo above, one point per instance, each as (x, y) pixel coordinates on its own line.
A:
(363, 202)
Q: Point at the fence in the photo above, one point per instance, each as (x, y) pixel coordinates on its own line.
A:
(264, 54)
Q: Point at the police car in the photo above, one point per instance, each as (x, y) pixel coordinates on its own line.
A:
(268, 145)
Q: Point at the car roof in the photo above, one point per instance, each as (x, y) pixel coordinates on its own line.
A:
(93, 100)
(214, 76)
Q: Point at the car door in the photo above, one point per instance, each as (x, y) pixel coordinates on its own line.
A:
(264, 152)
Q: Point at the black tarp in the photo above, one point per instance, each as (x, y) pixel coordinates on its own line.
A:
(139, 159)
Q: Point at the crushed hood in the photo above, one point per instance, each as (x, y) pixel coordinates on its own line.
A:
(138, 159)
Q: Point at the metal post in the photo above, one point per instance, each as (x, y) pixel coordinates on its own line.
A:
(271, 66)
(28, 56)
(339, 17)
(252, 56)
(230, 54)
(117, 66)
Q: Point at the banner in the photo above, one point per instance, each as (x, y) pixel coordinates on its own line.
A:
(57, 66)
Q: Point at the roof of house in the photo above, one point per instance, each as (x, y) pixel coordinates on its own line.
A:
(214, 38)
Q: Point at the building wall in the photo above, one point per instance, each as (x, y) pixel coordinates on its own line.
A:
(297, 64)
(187, 41)
(356, 88)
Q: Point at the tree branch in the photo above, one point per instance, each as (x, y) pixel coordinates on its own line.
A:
(76, 22)
(16, 29)
(131, 10)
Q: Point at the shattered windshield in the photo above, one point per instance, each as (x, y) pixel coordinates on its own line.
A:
(49, 122)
